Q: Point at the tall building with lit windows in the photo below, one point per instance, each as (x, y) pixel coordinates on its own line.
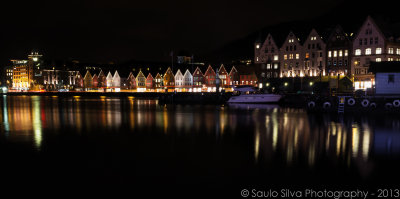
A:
(20, 78)
(291, 54)
(268, 56)
(8, 76)
(372, 44)
(339, 52)
(35, 64)
(314, 55)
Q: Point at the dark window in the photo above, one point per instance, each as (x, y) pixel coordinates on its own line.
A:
(391, 78)
(294, 47)
(340, 62)
(376, 40)
(360, 42)
(371, 40)
(313, 55)
(287, 48)
(329, 63)
(266, 50)
(345, 62)
(334, 63)
(320, 54)
(272, 50)
(291, 47)
(365, 41)
(313, 46)
(309, 46)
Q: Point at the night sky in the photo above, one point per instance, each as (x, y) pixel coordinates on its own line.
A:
(104, 31)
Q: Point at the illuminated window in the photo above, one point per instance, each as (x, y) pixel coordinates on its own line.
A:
(285, 57)
(390, 59)
(335, 53)
(340, 53)
(368, 51)
(291, 56)
(297, 56)
(398, 51)
(358, 52)
(307, 55)
(276, 57)
(329, 53)
(390, 51)
(275, 66)
(257, 58)
(378, 60)
(378, 51)
(258, 46)
(346, 53)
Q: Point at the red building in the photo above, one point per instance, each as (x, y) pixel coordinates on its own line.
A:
(247, 75)
(95, 81)
(209, 77)
(234, 77)
(149, 82)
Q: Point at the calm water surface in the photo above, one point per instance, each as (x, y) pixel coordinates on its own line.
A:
(77, 142)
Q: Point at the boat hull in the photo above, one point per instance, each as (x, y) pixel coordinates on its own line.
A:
(256, 98)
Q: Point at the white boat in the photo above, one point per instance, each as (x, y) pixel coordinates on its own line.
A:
(248, 95)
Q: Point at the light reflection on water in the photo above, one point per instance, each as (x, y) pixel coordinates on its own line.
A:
(293, 134)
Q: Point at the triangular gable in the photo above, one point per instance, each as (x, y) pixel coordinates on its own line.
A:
(210, 70)
(187, 73)
(371, 21)
(197, 71)
(314, 33)
(233, 70)
(273, 43)
(149, 76)
(222, 70)
(116, 75)
(178, 73)
(88, 75)
(158, 76)
(140, 74)
(95, 77)
(109, 76)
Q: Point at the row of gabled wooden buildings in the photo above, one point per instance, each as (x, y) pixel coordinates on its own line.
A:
(180, 80)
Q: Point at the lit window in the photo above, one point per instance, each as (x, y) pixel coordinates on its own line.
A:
(257, 58)
(390, 51)
(275, 66)
(340, 53)
(335, 53)
(329, 53)
(285, 57)
(378, 60)
(276, 57)
(291, 56)
(358, 52)
(307, 55)
(346, 53)
(268, 66)
(368, 51)
(390, 59)
(398, 51)
(378, 51)
(297, 56)
(258, 46)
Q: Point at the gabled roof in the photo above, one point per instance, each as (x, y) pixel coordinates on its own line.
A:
(140, 74)
(187, 73)
(209, 70)
(149, 76)
(158, 76)
(88, 75)
(178, 73)
(131, 75)
(197, 69)
(94, 77)
(233, 70)
(116, 75)
(370, 19)
(109, 76)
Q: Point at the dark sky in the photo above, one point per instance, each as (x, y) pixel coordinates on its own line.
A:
(116, 30)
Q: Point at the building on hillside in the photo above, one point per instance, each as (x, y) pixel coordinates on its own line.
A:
(338, 52)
